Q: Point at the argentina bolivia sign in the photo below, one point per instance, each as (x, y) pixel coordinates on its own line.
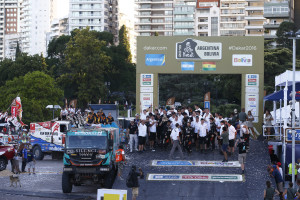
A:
(198, 50)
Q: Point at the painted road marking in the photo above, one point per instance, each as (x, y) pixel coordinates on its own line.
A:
(195, 177)
(194, 163)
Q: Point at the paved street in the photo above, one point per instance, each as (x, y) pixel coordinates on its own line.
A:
(46, 184)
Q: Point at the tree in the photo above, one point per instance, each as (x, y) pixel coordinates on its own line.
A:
(57, 47)
(86, 61)
(23, 64)
(156, 33)
(124, 43)
(18, 50)
(281, 37)
(37, 90)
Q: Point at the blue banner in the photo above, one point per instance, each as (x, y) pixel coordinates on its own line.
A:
(187, 66)
(289, 135)
(155, 60)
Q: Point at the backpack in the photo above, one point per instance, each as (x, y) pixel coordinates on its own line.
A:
(129, 180)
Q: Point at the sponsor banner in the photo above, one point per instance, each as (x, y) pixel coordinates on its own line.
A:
(198, 50)
(209, 66)
(13, 111)
(187, 66)
(195, 163)
(146, 89)
(147, 80)
(155, 59)
(146, 100)
(111, 194)
(252, 80)
(288, 133)
(253, 90)
(252, 104)
(170, 101)
(242, 60)
(195, 177)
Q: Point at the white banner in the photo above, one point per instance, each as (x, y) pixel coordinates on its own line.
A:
(146, 100)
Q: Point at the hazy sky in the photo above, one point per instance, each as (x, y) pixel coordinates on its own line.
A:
(63, 8)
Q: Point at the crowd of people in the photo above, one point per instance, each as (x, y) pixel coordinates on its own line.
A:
(11, 123)
(186, 128)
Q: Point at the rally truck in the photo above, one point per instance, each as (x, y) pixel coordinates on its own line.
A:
(46, 138)
(89, 157)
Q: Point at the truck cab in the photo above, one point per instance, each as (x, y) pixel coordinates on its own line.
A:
(89, 157)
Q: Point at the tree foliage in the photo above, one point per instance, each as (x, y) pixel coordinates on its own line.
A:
(37, 90)
(124, 43)
(282, 38)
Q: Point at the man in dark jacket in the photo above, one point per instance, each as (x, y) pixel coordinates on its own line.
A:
(133, 181)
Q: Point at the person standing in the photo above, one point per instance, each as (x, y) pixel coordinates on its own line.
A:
(152, 134)
(225, 142)
(196, 125)
(269, 192)
(212, 134)
(242, 116)
(30, 160)
(142, 135)
(133, 136)
(188, 135)
(242, 153)
(202, 137)
(166, 133)
(176, 142)
(290, 192)
(24, 158)
(268, 122)
(250, 124)
(120, 160)
(274, 172)
(232, 135)
(133, 182)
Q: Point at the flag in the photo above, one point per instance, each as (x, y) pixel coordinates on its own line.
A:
(170, 101)
(73, 103)
(209, 66)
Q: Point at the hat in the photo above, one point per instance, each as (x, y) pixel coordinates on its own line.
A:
(279, 164)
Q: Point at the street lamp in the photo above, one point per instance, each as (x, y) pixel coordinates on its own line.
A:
(53, 108)
(294, 36)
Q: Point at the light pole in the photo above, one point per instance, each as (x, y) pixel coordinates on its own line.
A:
(294, 37)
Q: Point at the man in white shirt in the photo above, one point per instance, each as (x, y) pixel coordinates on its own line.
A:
(197, 108)
(152, 135)
(63, 114)
(196, 125)
(202, 135)
(172, 118)
(144, 114)
(176, 142)
(142, 135)
(180, 116)
(232, 135)
(176, 121)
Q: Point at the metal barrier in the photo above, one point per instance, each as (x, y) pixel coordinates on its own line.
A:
(278, 131)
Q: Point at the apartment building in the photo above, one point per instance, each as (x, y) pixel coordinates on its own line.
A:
(184, 18)
(154, 16)
(99, 15)
(232, 17)
(207, 18)
(276, 12)
(254, 17)
(58, 28)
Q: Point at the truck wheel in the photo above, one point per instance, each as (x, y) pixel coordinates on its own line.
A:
(110, 179)
(2, 164)
(66, 183)
(38, 153)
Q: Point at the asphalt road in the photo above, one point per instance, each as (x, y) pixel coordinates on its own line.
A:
(46, 184)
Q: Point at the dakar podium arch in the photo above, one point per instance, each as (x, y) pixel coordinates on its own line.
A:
(201, 55)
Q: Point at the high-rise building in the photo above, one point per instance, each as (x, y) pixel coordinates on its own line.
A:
(154, 17)
(99, 15)
(58, 28)
(184, 17)
(297, 14)
(275, 12)
(232, 15)
(207, 18)
(254, 18)
(35, 25)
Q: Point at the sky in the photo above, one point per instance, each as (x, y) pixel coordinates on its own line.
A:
(63, 8)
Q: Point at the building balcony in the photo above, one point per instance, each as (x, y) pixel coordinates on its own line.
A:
(153, 1)
(269, 36)
(252, 34)
(271, 26)
(253, 17)
(183, 12)
(183, 26)
(186, 19)
(254, 27)
(249, 8)
(184, 33)
(277, 15)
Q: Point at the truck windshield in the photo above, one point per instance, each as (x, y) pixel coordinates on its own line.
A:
(75, 141)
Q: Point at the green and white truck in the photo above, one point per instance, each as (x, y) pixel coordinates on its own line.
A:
(89, 157)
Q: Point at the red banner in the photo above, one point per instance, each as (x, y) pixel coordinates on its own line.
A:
(14, 111)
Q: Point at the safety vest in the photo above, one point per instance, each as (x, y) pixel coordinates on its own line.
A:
(291, 169)
(119, 155)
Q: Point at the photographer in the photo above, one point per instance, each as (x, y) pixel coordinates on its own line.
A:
(133, 182)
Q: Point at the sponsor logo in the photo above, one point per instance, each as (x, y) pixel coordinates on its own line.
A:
(187, 66)
(198, 50)
(224, 177)
(242, 60)
(155, 59)
(200, 177)
(166, 177)
(179, 163)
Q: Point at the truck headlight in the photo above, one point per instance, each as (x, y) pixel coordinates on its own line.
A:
(100, 156)
(104, 169)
